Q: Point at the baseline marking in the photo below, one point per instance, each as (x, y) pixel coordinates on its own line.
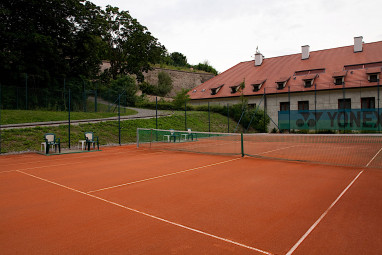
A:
(161, 176)
(66, 164)
(322, 216)
(150, 215)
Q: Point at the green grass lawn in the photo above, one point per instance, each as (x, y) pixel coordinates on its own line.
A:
(24, 116)
(29, 139)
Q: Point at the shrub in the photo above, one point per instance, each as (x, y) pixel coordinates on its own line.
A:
(164, 84)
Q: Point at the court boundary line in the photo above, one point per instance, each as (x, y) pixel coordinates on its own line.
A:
(89, 156)
(296, 245)
(150, 215)
(374, 157)
(45, 166)
(162, 176)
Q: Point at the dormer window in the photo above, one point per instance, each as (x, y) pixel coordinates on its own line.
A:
(373, 74)
(282, 82)
(214, 91)
(309, 80)
(257, 84)
(203, 90)
(339, 77)
(234, 89)
(194, 91)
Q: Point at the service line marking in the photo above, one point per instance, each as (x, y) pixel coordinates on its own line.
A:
(322, 216)
(278, 149)
(151, 216)
(161, 176)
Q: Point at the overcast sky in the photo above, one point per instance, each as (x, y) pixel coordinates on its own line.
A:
(227, 32)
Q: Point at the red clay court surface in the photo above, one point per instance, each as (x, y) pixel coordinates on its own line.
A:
(125, 200)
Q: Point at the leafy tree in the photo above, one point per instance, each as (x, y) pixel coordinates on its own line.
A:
(131, 47)
(205, 66)
(180, 99)
(164, 83)
(124, 86)
(179, 59)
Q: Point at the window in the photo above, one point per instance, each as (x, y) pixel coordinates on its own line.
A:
(280, 85)
(308, 83)
(373, 77)
(368, 103)
(282, 82)
(251, 106)
(303, 105)
(257, 84)
(256, 87)
(214, 91)
(338, 80)
(284, 106)
(344, 103)
(234, 89)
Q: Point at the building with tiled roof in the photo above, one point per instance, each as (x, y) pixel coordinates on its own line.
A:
(344, 77)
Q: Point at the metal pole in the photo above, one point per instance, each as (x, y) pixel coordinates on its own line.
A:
(26, 91)
(185, 115)
(378, 119)
(95, 100)
(119, 119)
(265, 108)
(84, 89)
(156, 112)
(69, 119)
(209, 118)
(228, 116)
(0, 118)
(343, 91)
(315, 107)
(289, 108)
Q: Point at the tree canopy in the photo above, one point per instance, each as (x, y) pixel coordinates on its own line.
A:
(52, 39)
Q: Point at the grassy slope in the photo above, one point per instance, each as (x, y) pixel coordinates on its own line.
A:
(23, 116)
(30, 139)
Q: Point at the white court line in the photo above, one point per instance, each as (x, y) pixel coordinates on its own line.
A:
(66, 164)
(79, 157)
(152, 216)
(161, 176)
(322, 216)
(374, 157)
(277, 149)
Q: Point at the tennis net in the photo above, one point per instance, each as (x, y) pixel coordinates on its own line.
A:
(355, 150)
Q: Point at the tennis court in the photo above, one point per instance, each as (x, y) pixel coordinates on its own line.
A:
(162, 198)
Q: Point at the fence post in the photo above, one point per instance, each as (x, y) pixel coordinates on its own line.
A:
(26, 91)
(156, 112)
(242, 144)
(209, 118)
(378, 119)
(185, 115)
(265, 108)
(69, 118)
(0, 118)
(95, 100)
(119, 119)
(315, 107)
(228, 116)
(288, 108)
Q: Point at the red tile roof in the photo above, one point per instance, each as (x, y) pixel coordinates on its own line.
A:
(340, 74)
(373, 70)
(324, 62)
(309, 77)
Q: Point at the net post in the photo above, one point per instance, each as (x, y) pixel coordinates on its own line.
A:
(242, 144)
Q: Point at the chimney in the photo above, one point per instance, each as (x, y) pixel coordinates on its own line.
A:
(305, 52)
(258, 59)
(358, 44)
